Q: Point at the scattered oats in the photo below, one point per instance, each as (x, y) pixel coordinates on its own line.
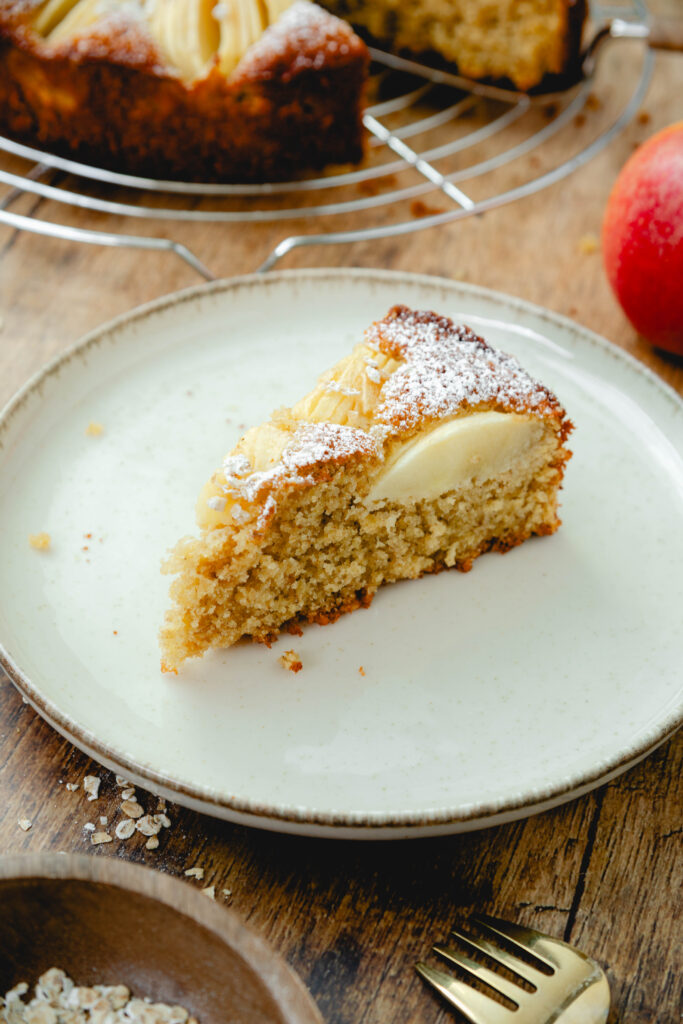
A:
(88, 827)
(58, 1001)
(103, 819)
(125, 828)
(291, 660)
(227, 893)
(147, 825)
(72, 786)
(82, 998)
(94, 429)
(39, 541)
(132, 808)
(163, 820)
(91, 785)
(152, 843)
(120, 781)
(100, 837)
(197, 873)
(24, 824)
(40, 1014)
(588, 244)
(128, 794)
(210, 891)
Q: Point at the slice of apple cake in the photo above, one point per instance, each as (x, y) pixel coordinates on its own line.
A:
(419, 451)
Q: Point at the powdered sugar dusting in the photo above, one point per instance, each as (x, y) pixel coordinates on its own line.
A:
(335, 386)
(216, 503)
(313, 445)
(446, 369)
(443, 371)
(304, 37)
(267, 512)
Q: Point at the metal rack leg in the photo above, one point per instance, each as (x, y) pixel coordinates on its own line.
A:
(66, 233)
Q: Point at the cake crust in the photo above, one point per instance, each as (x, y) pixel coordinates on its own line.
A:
(108, 96)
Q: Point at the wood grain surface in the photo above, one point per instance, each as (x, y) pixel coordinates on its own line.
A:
(603, 872)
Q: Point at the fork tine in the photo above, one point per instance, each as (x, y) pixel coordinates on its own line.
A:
(477, 1008)
(541, 946)
(500, 985)
(501, 956)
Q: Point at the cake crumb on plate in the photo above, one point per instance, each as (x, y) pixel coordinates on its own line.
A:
(40, 541)
(291, 660)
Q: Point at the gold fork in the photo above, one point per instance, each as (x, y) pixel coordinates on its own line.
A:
(569, 987)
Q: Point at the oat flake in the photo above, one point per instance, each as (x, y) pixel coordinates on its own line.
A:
(132, 808)
(97, 838)
(197, 873)
(91, 785)
(125, 829)
(58, 1001)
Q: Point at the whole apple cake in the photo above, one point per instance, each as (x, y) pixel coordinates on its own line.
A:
(244, 90)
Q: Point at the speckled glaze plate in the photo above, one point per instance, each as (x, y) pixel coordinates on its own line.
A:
(485, 696)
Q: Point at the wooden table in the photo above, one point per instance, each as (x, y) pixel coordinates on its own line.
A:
(352, 919)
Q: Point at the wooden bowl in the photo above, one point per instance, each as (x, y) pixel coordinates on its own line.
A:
(108, 922)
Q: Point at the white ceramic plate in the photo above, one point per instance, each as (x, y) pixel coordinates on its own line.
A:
(486, 696)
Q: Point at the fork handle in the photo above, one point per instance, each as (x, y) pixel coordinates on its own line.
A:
(666, 33)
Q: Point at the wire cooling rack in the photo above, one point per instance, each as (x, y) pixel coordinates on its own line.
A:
(439, 149)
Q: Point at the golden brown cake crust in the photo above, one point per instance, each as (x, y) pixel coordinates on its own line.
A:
(107, 97)
(450, 369)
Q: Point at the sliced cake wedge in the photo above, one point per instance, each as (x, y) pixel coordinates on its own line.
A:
(419, 451)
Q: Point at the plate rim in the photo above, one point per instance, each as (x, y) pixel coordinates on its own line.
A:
(362, 824)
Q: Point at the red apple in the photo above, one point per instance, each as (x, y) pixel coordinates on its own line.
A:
(642, 239)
